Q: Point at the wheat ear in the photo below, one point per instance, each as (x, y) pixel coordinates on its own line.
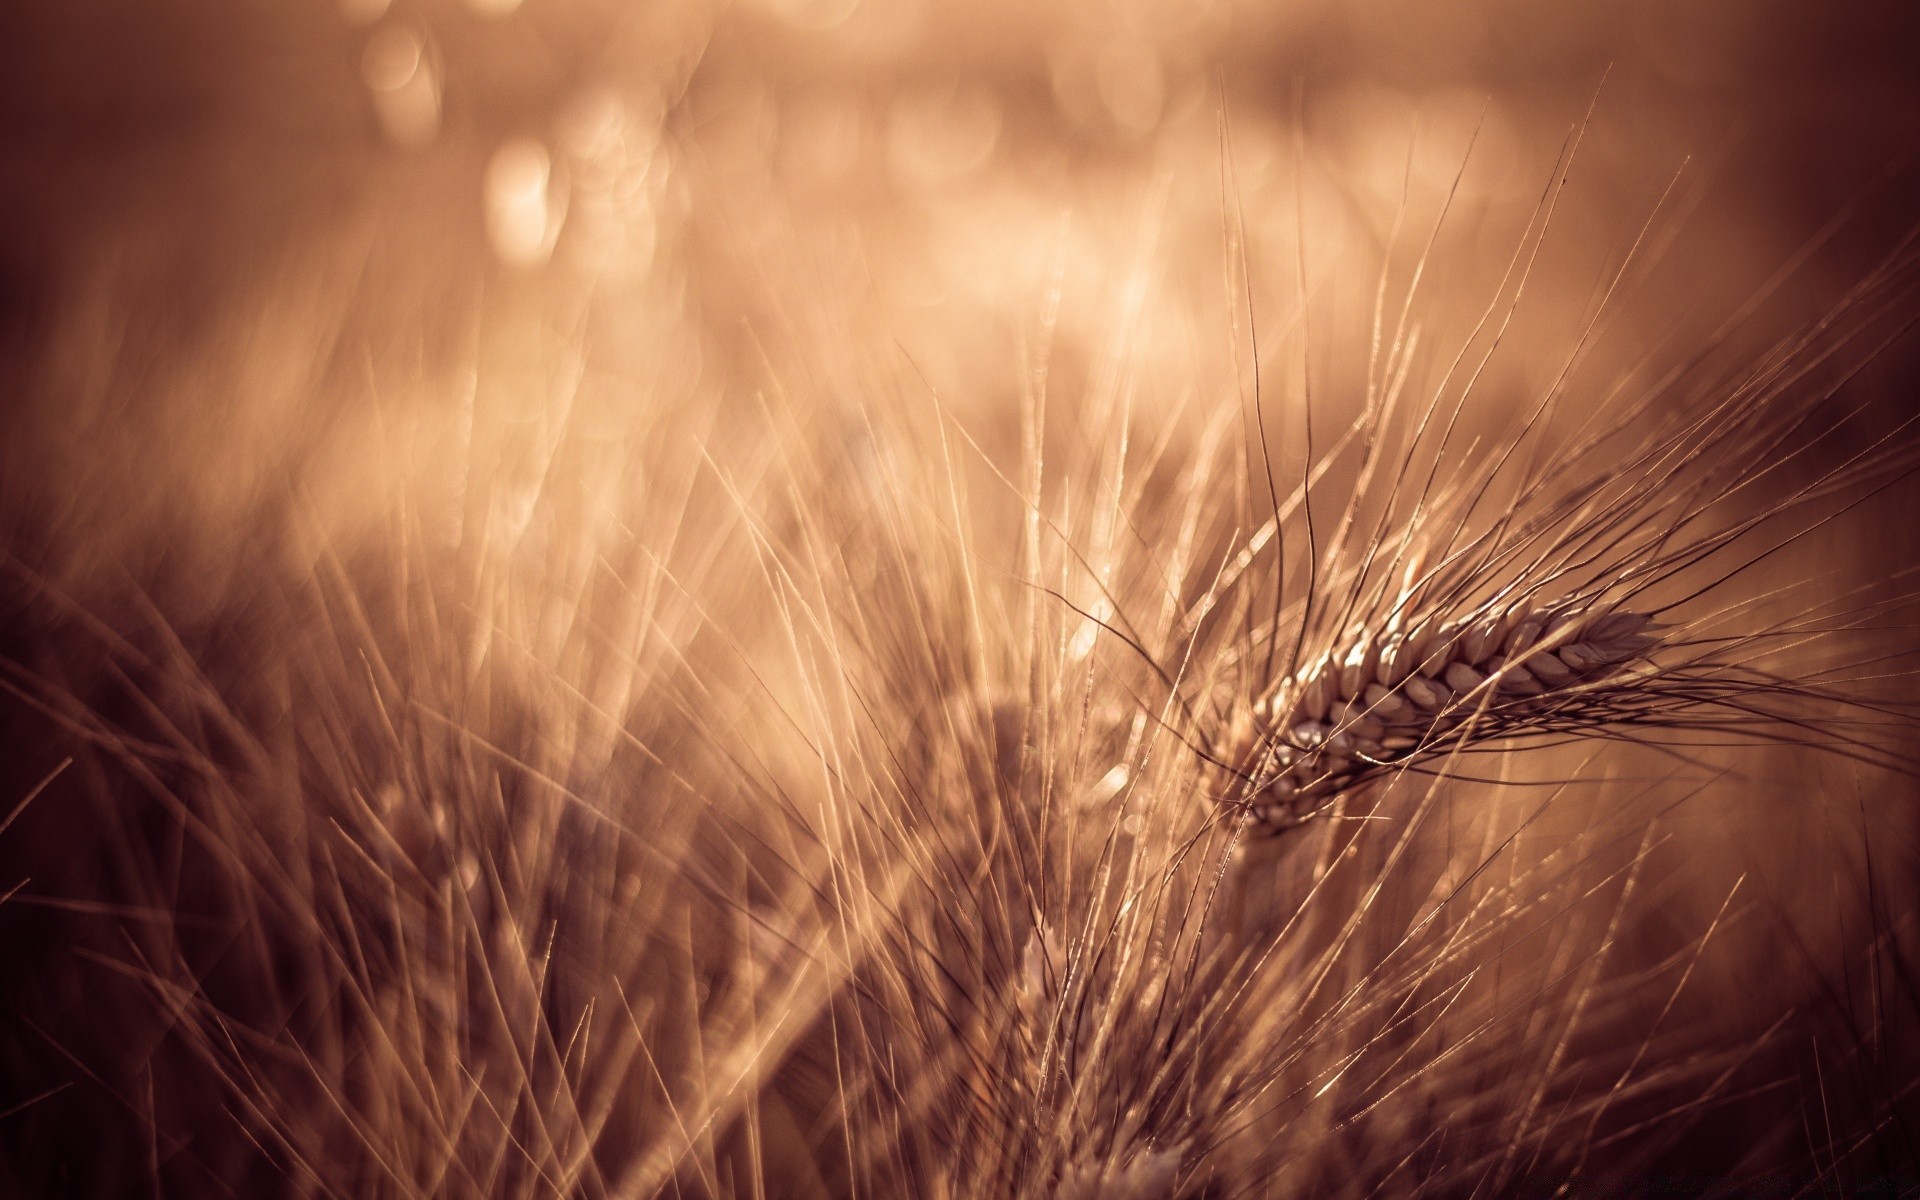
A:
(1386, 702)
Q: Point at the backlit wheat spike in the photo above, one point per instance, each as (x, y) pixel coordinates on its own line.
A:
(1389, 701)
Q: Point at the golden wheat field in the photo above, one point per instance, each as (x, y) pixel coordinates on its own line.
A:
(1102, 600)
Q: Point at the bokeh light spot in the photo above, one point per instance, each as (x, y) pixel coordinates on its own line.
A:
(521, 217)
(398, 69)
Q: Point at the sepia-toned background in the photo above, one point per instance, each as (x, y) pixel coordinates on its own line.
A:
(271, 273)
(701, 192)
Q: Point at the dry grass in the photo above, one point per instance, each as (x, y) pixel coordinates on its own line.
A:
(532, 786)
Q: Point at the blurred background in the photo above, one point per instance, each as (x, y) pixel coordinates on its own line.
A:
(838, 188)
(710, 162)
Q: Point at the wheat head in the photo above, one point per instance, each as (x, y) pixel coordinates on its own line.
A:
(1393, 701)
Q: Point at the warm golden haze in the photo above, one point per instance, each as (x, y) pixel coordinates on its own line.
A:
(828, 598)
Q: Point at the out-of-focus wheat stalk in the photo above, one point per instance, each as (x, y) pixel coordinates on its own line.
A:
(826, 804)
(1019, 848)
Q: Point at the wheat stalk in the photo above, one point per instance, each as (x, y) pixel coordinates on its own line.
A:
(832, 857)
(1522, 598)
